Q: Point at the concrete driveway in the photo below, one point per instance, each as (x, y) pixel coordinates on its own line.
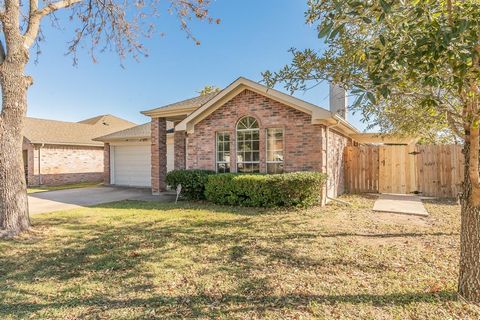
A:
(44, 202)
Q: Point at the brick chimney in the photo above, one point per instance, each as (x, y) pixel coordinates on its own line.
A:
(338, 100)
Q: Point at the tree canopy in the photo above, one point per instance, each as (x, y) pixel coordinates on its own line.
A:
(209, 89)
(414, 66)
(410, 64)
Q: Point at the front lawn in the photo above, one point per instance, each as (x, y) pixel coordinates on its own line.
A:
(63, 187)
(147, 260)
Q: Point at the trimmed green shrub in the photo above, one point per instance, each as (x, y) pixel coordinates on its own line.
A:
(192, 181)
(257, 190)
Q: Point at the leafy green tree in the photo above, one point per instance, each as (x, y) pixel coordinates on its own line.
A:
(414, 66)
(209, 89)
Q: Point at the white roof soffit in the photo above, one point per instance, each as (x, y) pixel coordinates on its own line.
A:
(338, 123)
(238, 86)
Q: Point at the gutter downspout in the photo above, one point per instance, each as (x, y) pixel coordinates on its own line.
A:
(39, 163)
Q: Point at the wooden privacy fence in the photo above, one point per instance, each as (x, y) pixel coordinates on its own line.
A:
(432, 170)
(361, 169)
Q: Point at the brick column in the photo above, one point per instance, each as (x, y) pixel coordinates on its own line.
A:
(179, 149)
(106, 164)
(159, 155)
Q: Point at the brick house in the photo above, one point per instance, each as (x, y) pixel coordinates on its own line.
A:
(58, 152)
(246, 127)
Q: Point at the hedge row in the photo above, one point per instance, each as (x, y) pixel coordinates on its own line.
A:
(288, 189)
(254, 190)
(192, 181)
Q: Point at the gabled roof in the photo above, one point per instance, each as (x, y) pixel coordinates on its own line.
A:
(108, 119)
(184, 107)
(318, 114)
(142, 131)
(81, 133)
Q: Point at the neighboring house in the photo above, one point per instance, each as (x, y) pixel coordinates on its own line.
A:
(246, 127)
(57, 152)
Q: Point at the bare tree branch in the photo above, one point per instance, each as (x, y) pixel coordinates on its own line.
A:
(36, 16)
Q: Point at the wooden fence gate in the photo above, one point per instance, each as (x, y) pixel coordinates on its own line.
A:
(432, 170)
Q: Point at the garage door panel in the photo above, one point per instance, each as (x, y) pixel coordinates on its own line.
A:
(132, 166)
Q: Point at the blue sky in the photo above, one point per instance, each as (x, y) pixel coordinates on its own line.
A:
(253, 36)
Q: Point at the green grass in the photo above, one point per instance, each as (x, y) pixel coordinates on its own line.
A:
(63, 187)
(147, 260)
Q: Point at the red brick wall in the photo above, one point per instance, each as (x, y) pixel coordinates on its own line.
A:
(159, 154)
(27, 148)
(179, 149)
(336, 164)
(106, 164)
(303, 140)
(64, 164)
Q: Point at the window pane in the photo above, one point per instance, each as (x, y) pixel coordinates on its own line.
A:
(242, 125)
(240, 157)
(241, 136)
(274, 150)
(277, 145)
(223, 157)
(223, 167)
(248, 145)
(278, 156)
(241, 146)
(273, 168)
(270, 156)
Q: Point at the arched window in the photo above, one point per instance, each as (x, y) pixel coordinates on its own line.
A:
(248, 145)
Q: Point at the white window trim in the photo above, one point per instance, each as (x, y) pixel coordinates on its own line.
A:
(266, 148)
(216, 150)
(236, 144)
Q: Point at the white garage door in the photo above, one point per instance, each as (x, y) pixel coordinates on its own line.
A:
(131, 166)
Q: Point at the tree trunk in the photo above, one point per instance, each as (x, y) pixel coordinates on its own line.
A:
(14, 216)
(469, 279)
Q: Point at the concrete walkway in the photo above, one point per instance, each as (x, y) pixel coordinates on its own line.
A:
(43, 202)
(400, 203)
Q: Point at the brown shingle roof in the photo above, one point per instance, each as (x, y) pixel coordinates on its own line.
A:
(138, 132)
(73, 133)
(192, 103)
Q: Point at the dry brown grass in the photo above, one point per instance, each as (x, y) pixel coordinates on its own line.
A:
(139, 260)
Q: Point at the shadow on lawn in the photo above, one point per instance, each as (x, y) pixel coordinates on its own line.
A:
(201, 306)
(100, 253)
(388, 235)
(192, 205)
